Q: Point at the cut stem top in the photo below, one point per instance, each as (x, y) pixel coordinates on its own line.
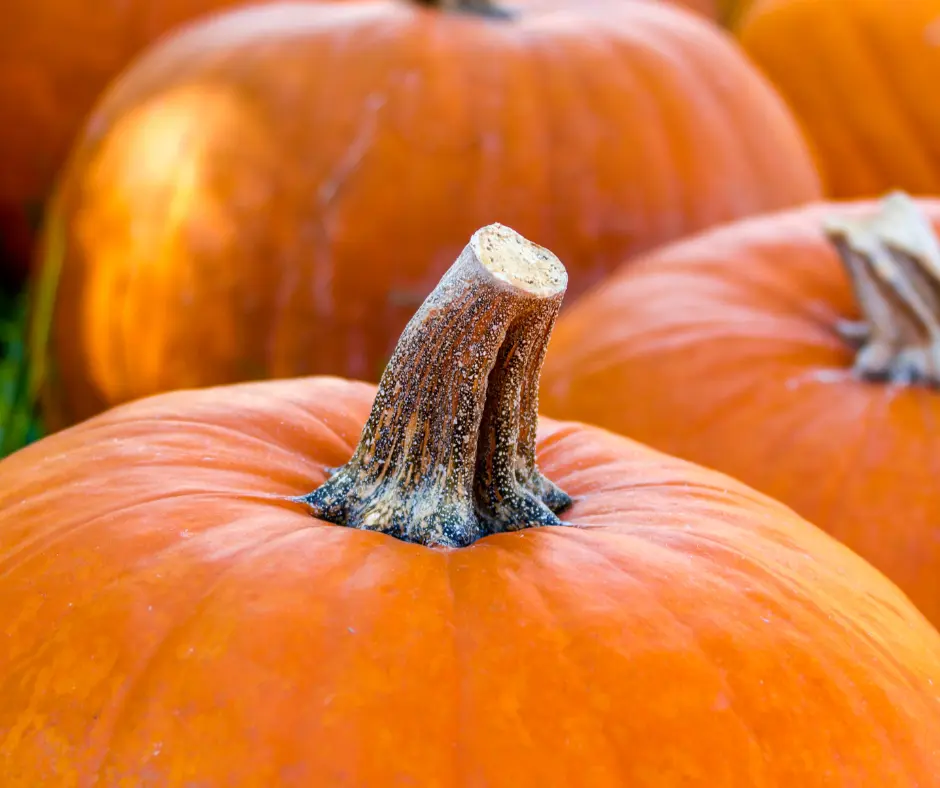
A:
(448, 453)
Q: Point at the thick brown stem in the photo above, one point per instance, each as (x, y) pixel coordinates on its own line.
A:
(893, 260)
(485, 8)
(448, 452)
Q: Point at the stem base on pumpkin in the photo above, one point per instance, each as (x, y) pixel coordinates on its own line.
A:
(448, 453)
(893, 260)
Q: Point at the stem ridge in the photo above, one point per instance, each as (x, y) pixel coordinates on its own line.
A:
(893, 262)
(447, 455)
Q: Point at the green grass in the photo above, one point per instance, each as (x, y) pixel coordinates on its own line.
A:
(19, 420)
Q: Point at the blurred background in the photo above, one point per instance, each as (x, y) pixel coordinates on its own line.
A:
(199, 192)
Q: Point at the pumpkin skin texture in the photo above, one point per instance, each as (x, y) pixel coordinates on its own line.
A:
(724, 349)
(56, 57)
(174, 616)
(170, 618)
(854, 72)
(209, 231)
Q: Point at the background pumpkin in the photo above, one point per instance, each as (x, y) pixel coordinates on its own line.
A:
(171, 613)
(854, 72)
(724, 349)
(273, 193)
(56, 57)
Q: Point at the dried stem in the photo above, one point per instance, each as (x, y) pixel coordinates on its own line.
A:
(448, 453)
(893, 260)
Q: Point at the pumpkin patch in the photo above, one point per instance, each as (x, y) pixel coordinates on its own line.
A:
(309, 475)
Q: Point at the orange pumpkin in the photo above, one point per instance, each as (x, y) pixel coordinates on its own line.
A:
(56, 57)
(273, 193)
(726, 350)
(855, 73)
(173, 614)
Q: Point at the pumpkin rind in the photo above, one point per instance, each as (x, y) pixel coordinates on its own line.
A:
(167, 616)
(273, 193)
(854, 73)
(726, 350)
(56, 58)
(174, 616)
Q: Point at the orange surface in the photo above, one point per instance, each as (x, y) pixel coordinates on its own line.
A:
(169, 619)
(275, 193)
(56, 58)
(723, 350)
(858, 75)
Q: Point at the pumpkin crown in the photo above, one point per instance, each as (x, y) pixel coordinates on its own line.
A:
(893, 260)
(448, 453)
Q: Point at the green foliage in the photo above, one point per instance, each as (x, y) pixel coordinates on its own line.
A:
(19, 421)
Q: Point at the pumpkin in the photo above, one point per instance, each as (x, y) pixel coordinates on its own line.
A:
(217, 587)
(56, 57)
(732, 349)
(55, 61)
(854, 73)
(272, 193)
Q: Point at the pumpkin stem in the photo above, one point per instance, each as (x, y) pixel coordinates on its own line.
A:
(477, 7)
(448, 453)
(893, 260)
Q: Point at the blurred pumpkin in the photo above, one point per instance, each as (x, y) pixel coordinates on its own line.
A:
(56, 57)
(173, 615)
(855, 72)
(273, 192)
(732, 349)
